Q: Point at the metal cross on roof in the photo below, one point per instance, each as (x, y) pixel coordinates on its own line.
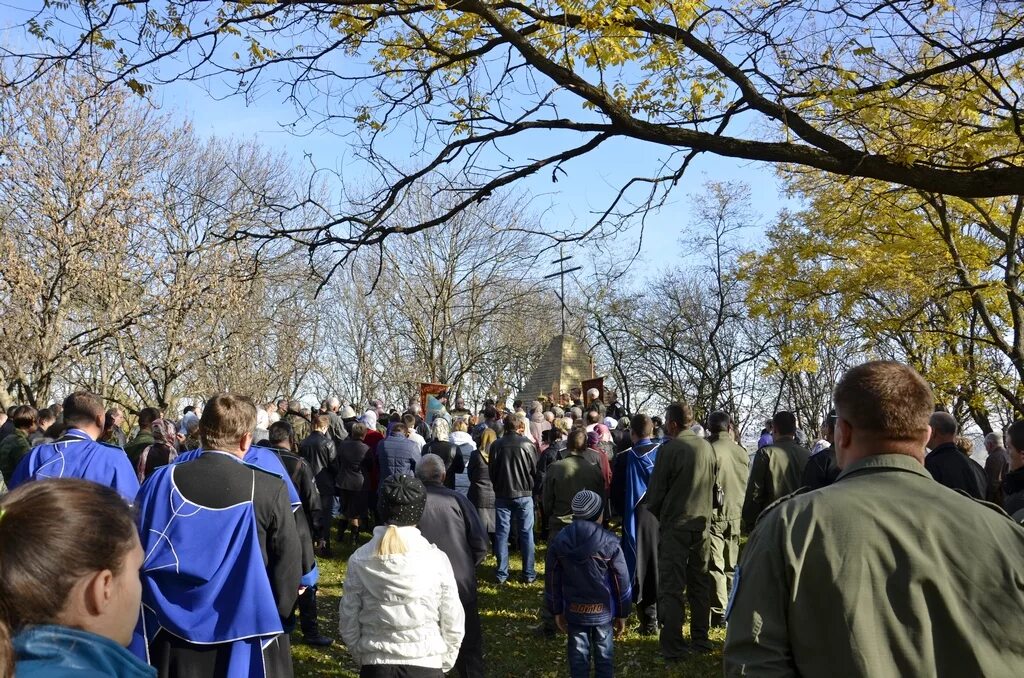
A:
(561, 273)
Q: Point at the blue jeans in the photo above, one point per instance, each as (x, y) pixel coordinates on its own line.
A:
(587, 640)
(522, 509)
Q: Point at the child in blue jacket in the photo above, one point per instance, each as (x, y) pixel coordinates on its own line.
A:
(587, 588)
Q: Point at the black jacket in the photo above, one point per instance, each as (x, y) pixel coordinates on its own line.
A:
(481, 491)
(451, 455)
(450, 523)
(312, 510)
(952, 468)
(513, 466)
(318, 450)
(556, 451)
(821, 469)
(1013, 489)
(355, 462)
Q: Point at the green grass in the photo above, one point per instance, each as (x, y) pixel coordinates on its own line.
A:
(508, 616)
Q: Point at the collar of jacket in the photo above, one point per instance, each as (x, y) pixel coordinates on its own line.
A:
(946, 447)
(57, 647)
(885, 462)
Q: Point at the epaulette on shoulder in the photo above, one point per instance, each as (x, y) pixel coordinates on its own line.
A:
(987, 504)
(781, 500)
(262, 470)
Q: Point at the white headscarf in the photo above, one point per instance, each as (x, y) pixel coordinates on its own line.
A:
(370, 419)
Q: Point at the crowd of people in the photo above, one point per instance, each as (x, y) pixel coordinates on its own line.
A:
(190, 548)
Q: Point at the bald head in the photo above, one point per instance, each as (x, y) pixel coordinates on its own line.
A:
(944, 429)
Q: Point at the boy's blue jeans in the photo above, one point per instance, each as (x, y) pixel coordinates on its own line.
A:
(585, 641)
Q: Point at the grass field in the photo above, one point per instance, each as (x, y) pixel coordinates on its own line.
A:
(511, 649)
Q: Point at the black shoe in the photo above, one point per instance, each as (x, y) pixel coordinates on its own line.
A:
(317, 640)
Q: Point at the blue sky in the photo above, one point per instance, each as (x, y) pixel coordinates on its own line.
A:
(588, 185)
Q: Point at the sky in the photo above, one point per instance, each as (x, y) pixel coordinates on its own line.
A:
(589, 184)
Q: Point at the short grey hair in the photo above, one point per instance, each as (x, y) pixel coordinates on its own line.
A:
(333, 403)
(593, 393)
(430, 469)
(995, 438)
(519, 421)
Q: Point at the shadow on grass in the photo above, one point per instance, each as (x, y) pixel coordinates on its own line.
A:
(508, 615)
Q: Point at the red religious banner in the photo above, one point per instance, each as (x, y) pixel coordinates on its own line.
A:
(427, 390)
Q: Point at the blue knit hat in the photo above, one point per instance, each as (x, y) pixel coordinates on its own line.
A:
(586, 505)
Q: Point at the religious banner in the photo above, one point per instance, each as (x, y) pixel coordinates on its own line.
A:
(428, 400)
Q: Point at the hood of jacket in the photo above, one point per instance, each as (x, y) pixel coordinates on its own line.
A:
(588, 539)
(399, 577)
(462, 438)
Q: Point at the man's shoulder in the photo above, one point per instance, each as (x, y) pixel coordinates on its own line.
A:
(108, 446)
(793, 502)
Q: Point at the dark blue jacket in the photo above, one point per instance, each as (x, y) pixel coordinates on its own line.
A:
(586, 577)
(397, 454)
(62, 652)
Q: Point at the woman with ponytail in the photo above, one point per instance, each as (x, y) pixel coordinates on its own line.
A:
(400, 612)
(69, 582)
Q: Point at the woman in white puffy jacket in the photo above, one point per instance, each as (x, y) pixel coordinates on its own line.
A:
(400, 610)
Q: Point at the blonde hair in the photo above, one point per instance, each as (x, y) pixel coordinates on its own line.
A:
(486, 438)
(391, 543)
(226, 419)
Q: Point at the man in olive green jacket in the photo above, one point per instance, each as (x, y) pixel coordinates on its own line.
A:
(880, 574)
(777, 469)
(732, 467)
(147, 415)
(16, 445)
(564, 479)
(680, 496)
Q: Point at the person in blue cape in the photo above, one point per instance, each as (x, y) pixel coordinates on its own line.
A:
(223, 560)
(630, 478)
(68, 600)
(78, 453)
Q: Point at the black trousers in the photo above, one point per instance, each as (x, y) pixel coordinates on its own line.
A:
(323, 530)
(470, 663)
(306, 605)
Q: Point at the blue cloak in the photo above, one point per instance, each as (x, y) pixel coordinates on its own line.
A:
(638, 476)
(76, 455)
